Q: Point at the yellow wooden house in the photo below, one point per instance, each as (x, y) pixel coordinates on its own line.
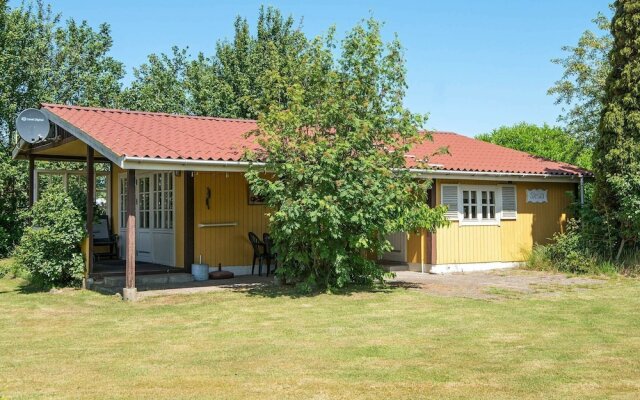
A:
(190, 201)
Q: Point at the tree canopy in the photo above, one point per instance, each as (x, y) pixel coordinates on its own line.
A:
(229, 83)
(45, 60)
(581, 89)
(336, 150)
(617, 153)
(549, 142)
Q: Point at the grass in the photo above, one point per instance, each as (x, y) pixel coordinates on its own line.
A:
(393, 343)
(5, 266)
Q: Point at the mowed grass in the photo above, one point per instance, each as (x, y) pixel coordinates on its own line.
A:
(398, 343)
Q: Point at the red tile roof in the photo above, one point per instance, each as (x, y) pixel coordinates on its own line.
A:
(158, 135)
(472, 155)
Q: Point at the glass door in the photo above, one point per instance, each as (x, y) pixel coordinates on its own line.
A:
(144, 248)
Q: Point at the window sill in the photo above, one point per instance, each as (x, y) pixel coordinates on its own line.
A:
(479, 223)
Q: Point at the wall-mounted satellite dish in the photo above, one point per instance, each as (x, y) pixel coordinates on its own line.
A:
(32, 125)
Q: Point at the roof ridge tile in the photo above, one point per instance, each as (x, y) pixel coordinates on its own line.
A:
(151, 113)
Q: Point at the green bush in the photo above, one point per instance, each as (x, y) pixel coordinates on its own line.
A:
(50, 248)
(13, 198)
(569, 253)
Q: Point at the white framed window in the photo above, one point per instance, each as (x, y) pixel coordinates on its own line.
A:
(154, 201)
(144, 208)
(123, 201)
(163, 200)
(76, 180)
(480, 204)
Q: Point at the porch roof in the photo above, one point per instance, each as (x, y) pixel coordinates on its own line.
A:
(135, 139)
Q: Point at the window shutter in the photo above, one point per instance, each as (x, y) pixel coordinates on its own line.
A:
(450, 199)
(509, 202)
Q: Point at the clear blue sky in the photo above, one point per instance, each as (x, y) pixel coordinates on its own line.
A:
(473, 65)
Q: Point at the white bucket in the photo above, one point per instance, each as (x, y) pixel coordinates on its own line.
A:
(200, 272)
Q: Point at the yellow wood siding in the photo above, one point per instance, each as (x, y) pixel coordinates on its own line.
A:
(417, 247)
(535, 223)
(75, 148)
(229, 203)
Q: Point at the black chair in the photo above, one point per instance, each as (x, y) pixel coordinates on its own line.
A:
(259, 252)
(270, 255)
(103, 237)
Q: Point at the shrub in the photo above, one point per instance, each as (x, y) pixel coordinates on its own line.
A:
(50, 248)
(13, 198)
(6, 268)
(9, 268)
(569, 253)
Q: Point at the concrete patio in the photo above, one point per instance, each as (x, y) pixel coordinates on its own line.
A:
(179, 284)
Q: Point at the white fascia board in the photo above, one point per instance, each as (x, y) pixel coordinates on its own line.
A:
(495, 176)
(170, 164)
(83, 136)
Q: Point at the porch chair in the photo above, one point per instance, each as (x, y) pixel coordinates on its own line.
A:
(259, 252)
(103, 237)
(269, 254)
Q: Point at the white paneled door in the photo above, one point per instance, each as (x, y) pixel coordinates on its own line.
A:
(155, 217)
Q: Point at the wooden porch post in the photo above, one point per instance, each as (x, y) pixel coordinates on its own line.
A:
(32, 180)
(129, 291)
(90, 201)
(189, 233)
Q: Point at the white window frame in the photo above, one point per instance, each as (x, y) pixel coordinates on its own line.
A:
(123, 194)
(479, 221)
(65, 173)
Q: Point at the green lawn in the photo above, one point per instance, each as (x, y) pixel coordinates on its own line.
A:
(582, 343)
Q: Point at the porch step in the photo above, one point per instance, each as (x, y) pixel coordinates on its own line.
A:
(149, 280)
(395, 267)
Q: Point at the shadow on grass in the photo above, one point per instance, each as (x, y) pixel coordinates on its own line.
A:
(290, 291)
(25, 287)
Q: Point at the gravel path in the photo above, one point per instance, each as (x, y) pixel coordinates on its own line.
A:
(492, 284)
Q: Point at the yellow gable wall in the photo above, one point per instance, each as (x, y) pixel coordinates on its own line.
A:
(228, 204)
(535, 223)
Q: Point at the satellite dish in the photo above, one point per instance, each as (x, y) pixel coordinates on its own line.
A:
(32, 125)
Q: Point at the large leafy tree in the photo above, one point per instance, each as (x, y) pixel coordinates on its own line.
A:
(159, 84)
(545, 141)
(581, 89)
(26, 38)
(42, 59)
(229, 83)
(617, 154)
(335, 159)
(81, 71)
